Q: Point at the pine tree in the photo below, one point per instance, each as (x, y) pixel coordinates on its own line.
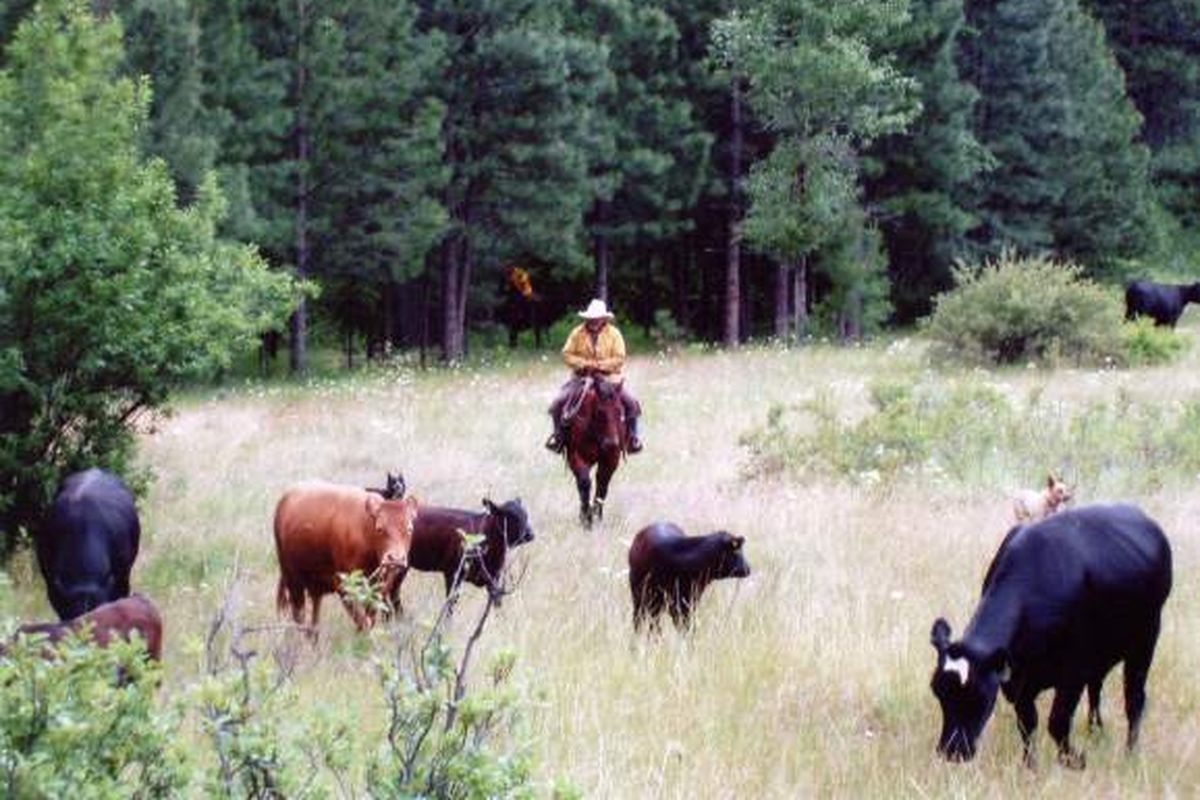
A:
(1157, 43)
(819, 83)
(919, 179)
(519, 93)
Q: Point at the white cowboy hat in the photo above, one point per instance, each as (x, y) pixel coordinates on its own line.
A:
(596, 310)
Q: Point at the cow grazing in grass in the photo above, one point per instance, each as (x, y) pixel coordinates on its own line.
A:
(87, 543)
(1064, 601)
(669, 570)
(1162, 302)
(438, 545)
(323, 530)
(1032, 506)
(118, 619)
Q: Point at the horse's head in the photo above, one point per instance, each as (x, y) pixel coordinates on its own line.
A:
(607, 416)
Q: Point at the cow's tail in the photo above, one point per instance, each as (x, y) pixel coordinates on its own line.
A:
(284, 603)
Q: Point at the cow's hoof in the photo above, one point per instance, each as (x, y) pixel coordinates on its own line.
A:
(1072, 759)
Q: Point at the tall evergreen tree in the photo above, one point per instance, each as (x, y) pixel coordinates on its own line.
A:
(519, 93)
(1157, 43)
(1069, 177)
(919, 179)
(820, 83)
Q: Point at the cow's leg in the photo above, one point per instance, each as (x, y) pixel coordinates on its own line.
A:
(1093, 690)
(1137, 669)
(1027, 720)
(1066, 698)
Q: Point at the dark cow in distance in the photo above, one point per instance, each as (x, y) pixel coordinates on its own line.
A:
(438, 543)
(393, 489)
(1064, 601)
(87, 543)
(323, 529)
(1162, 302)
(670, 570)
(120, 619)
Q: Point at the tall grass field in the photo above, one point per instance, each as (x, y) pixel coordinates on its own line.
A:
(810, 678)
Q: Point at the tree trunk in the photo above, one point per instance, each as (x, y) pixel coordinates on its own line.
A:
(451, 346)
(299, 323)
(781, 300)
(733, 258)
(800, 298)
(602, 253)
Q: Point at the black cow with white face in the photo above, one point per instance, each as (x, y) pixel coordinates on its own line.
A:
(87, 543)
(1064, 601)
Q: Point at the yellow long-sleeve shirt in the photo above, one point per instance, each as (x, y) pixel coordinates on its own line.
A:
(606, 353)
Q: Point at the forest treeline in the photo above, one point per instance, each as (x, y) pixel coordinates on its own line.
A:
(754, 168)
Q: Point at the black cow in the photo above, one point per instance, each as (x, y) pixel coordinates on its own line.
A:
(394, 490)
(1162, 302)
(670, 570)
(438, 546)
(1064, 601)
(87, 543)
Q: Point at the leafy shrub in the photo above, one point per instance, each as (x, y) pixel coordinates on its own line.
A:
(1147, 344)
(973, 434)
(1026, 309)
(69, 727)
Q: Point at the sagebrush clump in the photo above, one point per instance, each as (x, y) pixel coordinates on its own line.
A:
(1019, 310)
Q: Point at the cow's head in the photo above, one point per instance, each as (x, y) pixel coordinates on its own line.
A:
(1191, 294)
(966, 684)
(393, 524)
(395, 486)
(731, 561)
(1057, 492)
(514, 520)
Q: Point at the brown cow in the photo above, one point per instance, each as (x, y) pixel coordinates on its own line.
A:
(118, 618)
(323, 529)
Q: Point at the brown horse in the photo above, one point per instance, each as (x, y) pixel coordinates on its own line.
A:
(595, 424)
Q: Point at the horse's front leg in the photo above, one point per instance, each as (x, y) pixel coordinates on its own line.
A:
(604, 472)
(583, 482)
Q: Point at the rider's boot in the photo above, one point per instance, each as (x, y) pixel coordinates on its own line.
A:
(633, 444)
(557, 439)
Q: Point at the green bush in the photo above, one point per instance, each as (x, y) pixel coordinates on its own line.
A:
(1147, 344)
(1016, 310)
(84, 724)
(972, 434)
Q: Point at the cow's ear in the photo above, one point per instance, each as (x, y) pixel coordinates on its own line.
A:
(939, 636)
(374, 503)
(489, 505)
(737, 542)
(1000, 663)
(1050, 480)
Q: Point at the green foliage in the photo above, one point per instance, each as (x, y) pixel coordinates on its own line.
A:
(110, 294)
(974, 435)
(1016, 310)
(1147, 344)
(85, 723)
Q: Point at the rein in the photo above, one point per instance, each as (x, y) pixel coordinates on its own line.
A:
(575, 402)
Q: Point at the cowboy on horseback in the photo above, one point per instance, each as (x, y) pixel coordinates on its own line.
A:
(596, 349)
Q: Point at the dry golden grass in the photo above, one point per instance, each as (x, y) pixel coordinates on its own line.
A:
(809, 679)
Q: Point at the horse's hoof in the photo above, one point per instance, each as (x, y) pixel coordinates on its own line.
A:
(1072, 759)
